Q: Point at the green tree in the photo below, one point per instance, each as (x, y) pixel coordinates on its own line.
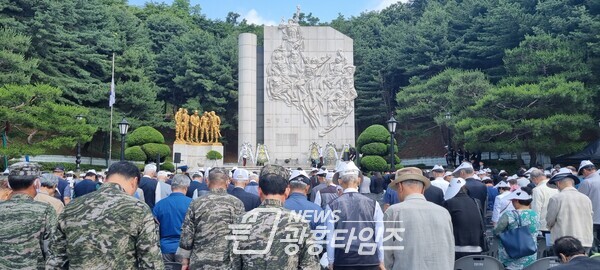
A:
(374, 145)
(15, 68)
(544, 118)
(38, 122)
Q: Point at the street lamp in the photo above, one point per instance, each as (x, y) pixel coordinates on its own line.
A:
(448, 117)
(79, 117)
(123, 127)
(392, 129)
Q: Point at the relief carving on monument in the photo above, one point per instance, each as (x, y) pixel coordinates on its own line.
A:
(322, 88)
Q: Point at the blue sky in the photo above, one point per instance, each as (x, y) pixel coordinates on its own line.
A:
(271, 11)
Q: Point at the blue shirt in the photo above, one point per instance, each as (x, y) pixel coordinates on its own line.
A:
(492, 193)
(298, 203)
(390, 197)
(170, 213)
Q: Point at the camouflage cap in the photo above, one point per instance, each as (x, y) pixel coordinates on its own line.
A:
(274, 169)
(49, 179)
(24, 169)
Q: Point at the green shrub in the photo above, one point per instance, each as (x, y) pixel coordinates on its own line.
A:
(374, 133)
(375, 148)
(213, 155)
(167, 166)
(135, 153)
(144, 135)
(154, 149)
(374, 163)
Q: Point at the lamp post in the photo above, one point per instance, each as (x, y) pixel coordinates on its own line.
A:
(79, 117)
(392, 129)
(448, 117)
(123, 127)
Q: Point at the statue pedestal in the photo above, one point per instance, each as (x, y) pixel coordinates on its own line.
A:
(194, 155)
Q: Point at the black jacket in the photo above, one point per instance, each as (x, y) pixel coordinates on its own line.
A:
(250, 200)
(148, 185)
(377, 185)
(466, 220)
(579, 263)
(477, 190)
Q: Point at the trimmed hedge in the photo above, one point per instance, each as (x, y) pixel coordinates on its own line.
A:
(375, 148)
(213, 155)
(374, 163)
(153, 149)
(135, 153)
(144, 135)
(167, 166)
(374, 133)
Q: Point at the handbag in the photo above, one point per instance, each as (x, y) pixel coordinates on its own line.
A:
(485, 244)
(518, 241)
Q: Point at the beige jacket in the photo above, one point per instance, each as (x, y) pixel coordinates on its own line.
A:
(54, 202)
(541, 196)
(570, 214)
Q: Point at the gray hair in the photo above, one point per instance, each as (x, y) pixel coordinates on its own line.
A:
(348, 178)
(218, 175)
(162, 174)
(298, 185)
(413, 183)
(253, 177)
(537, 173)
(180, 181)
(150, 168)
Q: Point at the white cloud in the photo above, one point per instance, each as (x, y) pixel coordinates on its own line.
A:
(386, 3)
(254, 18)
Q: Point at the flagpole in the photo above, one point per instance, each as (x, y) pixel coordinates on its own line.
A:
(112, 85)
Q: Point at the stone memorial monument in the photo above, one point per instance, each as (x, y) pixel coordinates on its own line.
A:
(297, 90)
(196, 135)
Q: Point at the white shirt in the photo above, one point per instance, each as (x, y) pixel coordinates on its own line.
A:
(441, 183)
(318, 196)
(541, 196)
(501, 205)
(379, 229)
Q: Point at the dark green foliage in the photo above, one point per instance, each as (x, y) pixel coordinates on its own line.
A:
(152, 150)
(374, 163)
(143, 135)
(213, 155)
(374, 133)
(135, 153)
(375, 148)
(167, 166)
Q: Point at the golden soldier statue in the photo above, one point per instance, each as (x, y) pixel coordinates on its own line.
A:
(215, 127)
(205, 128)
(195, 124)
(178, 129)
(185, 125)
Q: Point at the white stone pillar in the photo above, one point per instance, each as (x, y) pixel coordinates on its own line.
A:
(247, 89)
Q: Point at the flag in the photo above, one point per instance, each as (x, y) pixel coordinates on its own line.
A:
(111, 99)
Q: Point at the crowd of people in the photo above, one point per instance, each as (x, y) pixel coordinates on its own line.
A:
(280, 218)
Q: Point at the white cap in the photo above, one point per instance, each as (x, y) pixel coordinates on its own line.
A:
(329, 176)
(502, 184)
(241, 175)
(437, 168)
(486, 178)
(518, 194)
(70, 172)
(502, 171)
(92, 171)
(512, 177)
(584, 163)
(321, 172)
(530, 170)
(476, 177)
(296, 173)
(487, 170)
(447, 174)
(464, 165)
(523, 182)
(314, 169)
(481, 172)
(454, 188)
(349, 168)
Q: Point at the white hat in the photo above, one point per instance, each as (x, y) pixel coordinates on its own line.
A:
(464, 165)
(82, 175)
(454, 187)
(448, 174)
(502, 171)
(476, 177)
(486, 178)
(92, 171)
(584, 163)
(487, 170)
(523, 182)
(529, 171)
(296, 173)
(329, 176)
(321, 172)
(481, 172)
(502, 184)
(241, 175)
(314, 169)
(512, 177)
(70, 172)
(517, 194)
(437, 168)
(349, 168)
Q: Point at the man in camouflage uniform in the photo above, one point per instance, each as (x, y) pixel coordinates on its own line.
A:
(203, 243)
(269, 229)
(26, 226)
(107, 229)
